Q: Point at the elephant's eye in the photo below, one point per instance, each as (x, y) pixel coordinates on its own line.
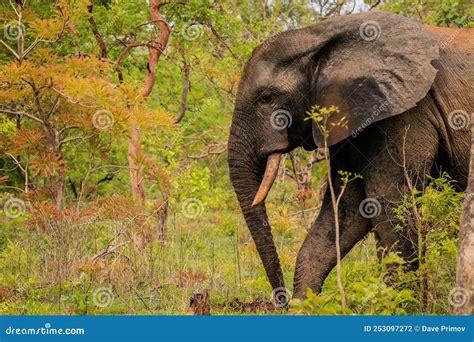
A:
(266, 98)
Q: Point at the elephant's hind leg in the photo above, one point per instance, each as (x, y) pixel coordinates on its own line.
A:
(317, 256)
(403, 164)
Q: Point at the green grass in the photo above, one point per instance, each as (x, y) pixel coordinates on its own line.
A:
(49, 270)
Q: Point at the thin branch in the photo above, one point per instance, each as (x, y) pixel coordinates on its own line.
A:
(71, 100)
(108, 250)
(124, 52)
(70, 139)
(17, 162)
(55, 105)
(70, 24)
(374, 5)
(64, 129)
(14, 9)
(210, 151)
(39, 40)
(21, 113)
(184, 92)
(98, 37)
(10, 49)
(222, 41)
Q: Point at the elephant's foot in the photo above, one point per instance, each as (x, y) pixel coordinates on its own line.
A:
(301, 287)
(307, 276)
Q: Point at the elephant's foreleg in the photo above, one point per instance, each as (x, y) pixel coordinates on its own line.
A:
(317, 256)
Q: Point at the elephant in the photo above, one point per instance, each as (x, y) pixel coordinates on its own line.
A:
(405, 91)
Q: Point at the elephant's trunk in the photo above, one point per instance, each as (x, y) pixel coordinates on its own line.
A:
(246, 173)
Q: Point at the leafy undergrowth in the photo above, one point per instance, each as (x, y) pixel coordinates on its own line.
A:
(387, 287)
(115, 265)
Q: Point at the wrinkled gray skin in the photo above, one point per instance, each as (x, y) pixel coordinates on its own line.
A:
(396, 91)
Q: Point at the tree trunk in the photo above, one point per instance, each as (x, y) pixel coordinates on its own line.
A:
(200, 303)
(155, 49)
(163, 216)
(462, 297)
(136, 174)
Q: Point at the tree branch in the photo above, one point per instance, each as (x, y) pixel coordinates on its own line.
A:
(184, 92)
(157, 46)
(13, 52)
(98, 37)
(211, 150)
(374, 5)
(21, 113)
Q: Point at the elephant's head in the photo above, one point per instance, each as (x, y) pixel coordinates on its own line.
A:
(372, 66)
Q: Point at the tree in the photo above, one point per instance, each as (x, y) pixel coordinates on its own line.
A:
(155, 46)
(464, 290)
(65, 107)
(451, 13)
(157, 43)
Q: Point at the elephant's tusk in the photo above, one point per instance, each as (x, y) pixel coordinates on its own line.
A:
(271, 171)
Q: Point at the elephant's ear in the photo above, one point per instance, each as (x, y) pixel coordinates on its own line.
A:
(372, 66)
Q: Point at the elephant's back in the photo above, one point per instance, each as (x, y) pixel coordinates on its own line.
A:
(454, 83)
(461, 39)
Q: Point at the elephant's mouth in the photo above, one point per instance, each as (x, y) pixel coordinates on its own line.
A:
(271, 168)
(271, 171)
(273, 162)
